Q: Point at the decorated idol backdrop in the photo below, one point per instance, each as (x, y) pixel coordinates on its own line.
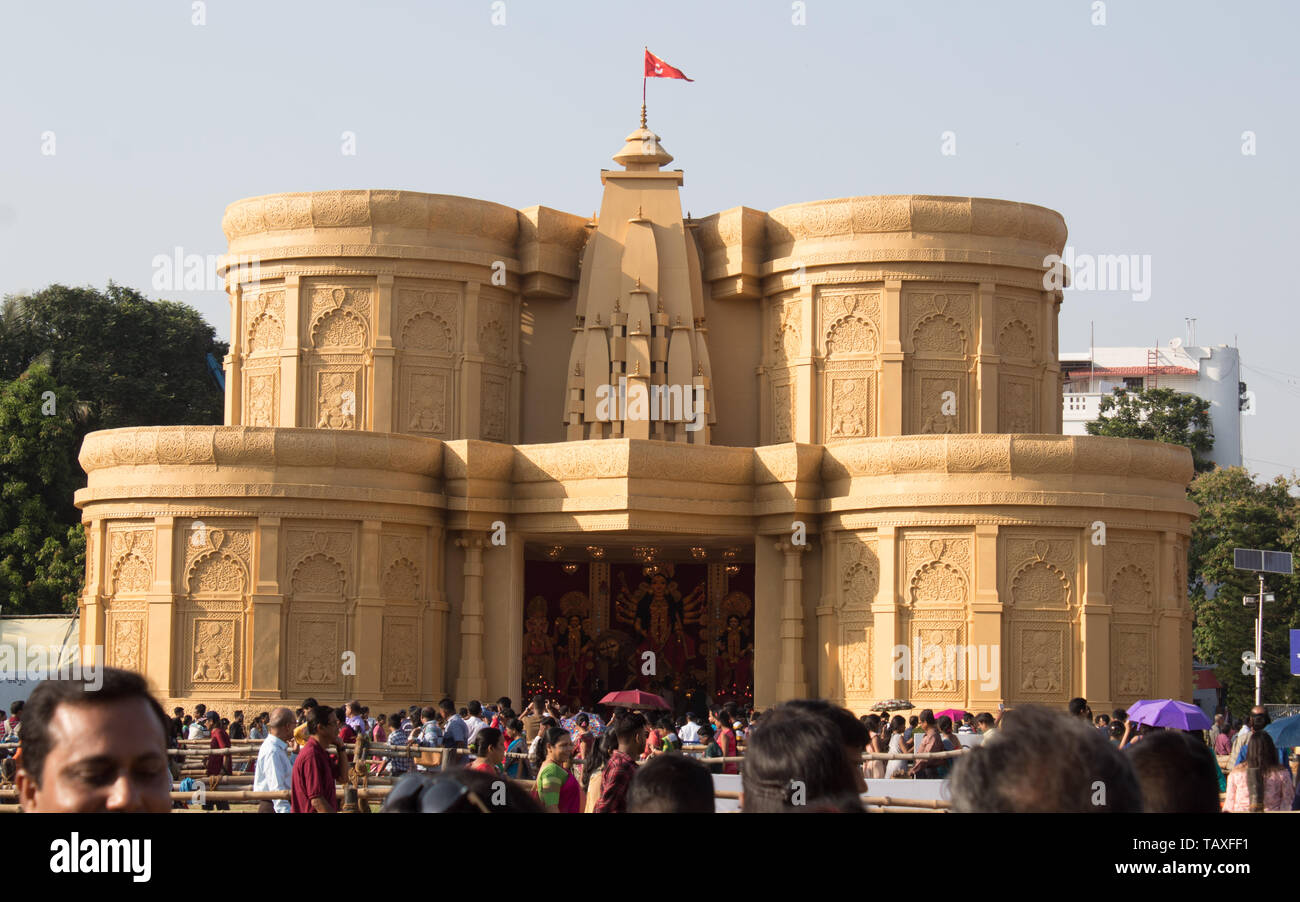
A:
(682, 630)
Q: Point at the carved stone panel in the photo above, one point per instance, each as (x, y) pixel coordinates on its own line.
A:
(1017, 404)
(494, 419)
(427, 321)
(130, 561)
(786, 330)
(262, 396)
(855, 649)
(340, 317)
(337, 398)
(1016, 336)
(1040, 659)
(425, 405)
(1130, 568)
(1041, 571)
(939, 408)
(264, 320)
(401, 558)
(938, 565)
(217, 559)
(850, 323)
(213, 646)
(316, 650)
(495, 329)
(859, 571)
(1132, 662)
(319, 563)
(938, 324)
(128, 640)
(783, 412)
(401, 649)
(850, 403)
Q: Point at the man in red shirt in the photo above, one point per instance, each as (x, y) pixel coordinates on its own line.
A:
(217, 764)
(621, 766)
(315, 775)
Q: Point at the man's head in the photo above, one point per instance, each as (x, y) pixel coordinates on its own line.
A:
(1176, 773)
(914, 721)
(854, 734)
(92, 750)
(1218, 720)
(795, 758)
(323, 723)
(503, 702)
(475, 709)
(213, 719)
(178, 712)
(985, 722)
(448, 707)
(1119, 715)
(671, 784)
(199, 711)
(1078, 707)
(631, 732)
(281, 724)
(1259, 719)
(1045, 761)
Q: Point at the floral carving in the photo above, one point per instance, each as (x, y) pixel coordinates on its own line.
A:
(400, 644)
(214, 651)
(1042, 662)
(783, 403)
(128, 643)
(402, 580)
(318, 657)
(850, 403)
(860, 573)
(319, 574)
(336, 401)
(494, 409)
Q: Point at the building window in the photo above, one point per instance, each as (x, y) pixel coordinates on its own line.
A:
(1133, 383)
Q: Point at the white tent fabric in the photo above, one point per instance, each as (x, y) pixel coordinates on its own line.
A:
(29, 646)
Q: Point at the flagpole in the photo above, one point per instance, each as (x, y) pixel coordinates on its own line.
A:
(643, 81)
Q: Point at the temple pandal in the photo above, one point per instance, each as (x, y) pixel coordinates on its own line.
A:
(787, 453)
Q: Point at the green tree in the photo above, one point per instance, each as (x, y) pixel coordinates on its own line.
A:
(112, 358)
(133, 361)
(1158, 414)
(1238, 512)
(42, 556)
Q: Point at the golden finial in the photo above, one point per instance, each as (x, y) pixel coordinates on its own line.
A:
(638, 279)
(699, 369)
(636, 368)
(643, 125)
(616, 305)
(661, 305)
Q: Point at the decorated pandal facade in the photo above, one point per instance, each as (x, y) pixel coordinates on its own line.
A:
(457, 459)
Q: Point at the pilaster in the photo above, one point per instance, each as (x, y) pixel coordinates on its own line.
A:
(985, 626)
(1094, 626)
(891, 361)
(368, 621)
(161, 610)
(266, 629)
(988, 362)
(291, 355)
(792, 681)
(471, 682)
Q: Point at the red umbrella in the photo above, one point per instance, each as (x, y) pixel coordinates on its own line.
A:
(634, 698)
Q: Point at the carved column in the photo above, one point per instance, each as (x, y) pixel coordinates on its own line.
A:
(985, 627)
(383, 407)
(891, 361)
(91, 626)
(827, 638)
(266, 627)
(234, 414)
(471, 369)
(471, 682)
(792, 681)
(368, 622)
(1094, 626)
(291, 387)
(433, 661)
(887, 621)
(1171, 681)
(1049, 387)
(161, 610)
(988, 362)
(803, 424)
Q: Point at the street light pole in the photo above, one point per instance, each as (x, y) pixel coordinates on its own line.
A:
(1259, 645)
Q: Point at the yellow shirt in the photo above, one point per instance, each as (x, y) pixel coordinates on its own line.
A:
(300, 733)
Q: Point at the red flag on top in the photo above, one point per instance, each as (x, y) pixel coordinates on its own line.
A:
(657, 68)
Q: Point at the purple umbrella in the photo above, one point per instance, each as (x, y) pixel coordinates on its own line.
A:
(1168, 712)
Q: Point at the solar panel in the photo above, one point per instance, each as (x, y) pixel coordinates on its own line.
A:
(1262, 561)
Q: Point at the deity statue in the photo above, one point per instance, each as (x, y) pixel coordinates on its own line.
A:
(735, 648)
(658, 613)
(538, 660)
(575, 645)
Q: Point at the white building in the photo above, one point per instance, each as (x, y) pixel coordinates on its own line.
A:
(1210, 373)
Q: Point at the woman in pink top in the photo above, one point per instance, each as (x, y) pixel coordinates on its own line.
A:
(1262, 782)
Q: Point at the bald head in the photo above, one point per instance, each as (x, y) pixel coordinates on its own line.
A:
(281, 723)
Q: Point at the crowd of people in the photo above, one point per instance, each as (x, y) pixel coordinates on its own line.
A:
(114, 748)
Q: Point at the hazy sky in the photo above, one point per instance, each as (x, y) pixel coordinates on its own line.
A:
(1133, 130)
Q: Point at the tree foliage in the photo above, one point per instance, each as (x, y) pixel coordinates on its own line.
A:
(110, 358)
(1238, 512)
(1158, 414)
(42, 547)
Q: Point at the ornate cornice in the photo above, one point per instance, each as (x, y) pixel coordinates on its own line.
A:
(252, 446)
